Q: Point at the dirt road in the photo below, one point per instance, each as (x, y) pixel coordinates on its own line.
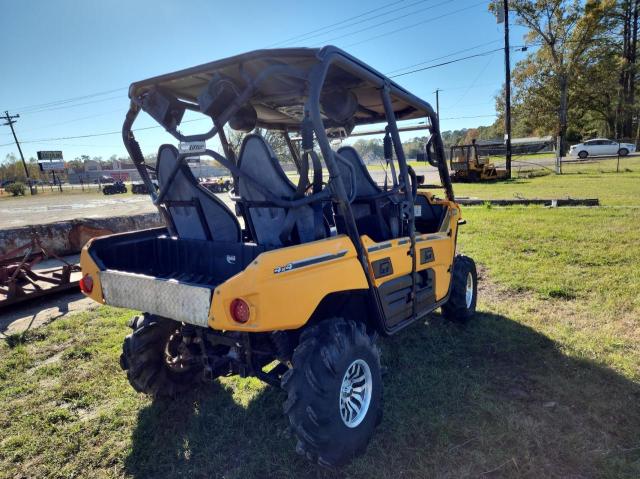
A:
(29, 210)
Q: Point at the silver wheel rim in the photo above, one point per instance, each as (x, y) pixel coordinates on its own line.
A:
(355, 393)
(469, 290)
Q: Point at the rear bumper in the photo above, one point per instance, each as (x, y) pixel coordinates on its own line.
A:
(163, 297)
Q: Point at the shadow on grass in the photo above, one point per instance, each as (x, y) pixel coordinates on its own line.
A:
(492, 399)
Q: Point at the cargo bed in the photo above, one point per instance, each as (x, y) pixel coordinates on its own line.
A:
(153, 272)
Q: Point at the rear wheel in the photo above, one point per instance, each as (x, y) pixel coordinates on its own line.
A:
(334, 391)
(623, 152)
(461, 305)
(583, 154)
(156, 359)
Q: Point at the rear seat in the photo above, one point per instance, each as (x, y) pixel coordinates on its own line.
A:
(196, 213)
(273, 226)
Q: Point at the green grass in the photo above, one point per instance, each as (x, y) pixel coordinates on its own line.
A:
(581, 180)
(544, 383)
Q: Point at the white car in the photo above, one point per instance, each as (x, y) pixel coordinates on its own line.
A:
(601, 147)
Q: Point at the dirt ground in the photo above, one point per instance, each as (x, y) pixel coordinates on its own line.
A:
(31, 315)
(22, 211)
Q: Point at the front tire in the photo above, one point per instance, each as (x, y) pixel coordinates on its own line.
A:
(623, 152)
(149, 356)
(583, 155)
(334, 391)
(463, 295)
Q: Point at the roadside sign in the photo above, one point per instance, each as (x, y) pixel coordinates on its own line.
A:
(51, 165)
(50, 155)
(50, 161)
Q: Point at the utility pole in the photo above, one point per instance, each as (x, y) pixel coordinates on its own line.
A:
(437, 92)
(507, 90)
(10, 121)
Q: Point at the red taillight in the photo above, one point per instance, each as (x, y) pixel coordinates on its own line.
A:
(240, 310)
(86, 284)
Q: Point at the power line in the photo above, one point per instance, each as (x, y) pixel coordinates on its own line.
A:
(447, 63)
(90, 135)
(415, 24)
(467, 117)
(64, 107)
(473, 83)
(298, 37)
(386, 22)
(51, 125)
(464, 50)
(66, 100)
(465, 87)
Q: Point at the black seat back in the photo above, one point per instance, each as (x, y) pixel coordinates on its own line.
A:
(195, 211)
(267, 224)
(365, 185)
(375, 217)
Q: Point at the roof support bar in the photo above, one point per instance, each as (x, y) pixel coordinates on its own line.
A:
(407, 205)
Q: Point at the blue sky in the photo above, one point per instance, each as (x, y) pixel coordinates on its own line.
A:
(59, 50)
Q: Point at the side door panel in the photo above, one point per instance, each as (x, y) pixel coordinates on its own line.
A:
(391, 264)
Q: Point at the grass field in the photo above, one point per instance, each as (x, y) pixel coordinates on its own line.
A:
(580, 180)
(544, 383)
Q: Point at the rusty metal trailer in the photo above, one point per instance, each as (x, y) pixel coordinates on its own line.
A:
(31, 271)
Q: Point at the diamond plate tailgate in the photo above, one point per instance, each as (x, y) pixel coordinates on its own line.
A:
(164, 297)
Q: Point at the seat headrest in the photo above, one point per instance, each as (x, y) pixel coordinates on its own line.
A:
(365, 185)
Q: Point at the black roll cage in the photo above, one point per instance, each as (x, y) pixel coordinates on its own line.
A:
(336, 191)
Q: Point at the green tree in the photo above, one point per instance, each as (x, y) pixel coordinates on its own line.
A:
(565, 31)
(274, 138)
(626, 16)
(369, 150)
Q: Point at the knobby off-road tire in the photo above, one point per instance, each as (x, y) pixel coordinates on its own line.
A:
(143, 358)
(335, 366)
(464, 290)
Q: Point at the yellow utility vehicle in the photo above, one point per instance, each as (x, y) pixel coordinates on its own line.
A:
(469, 166)
(297, 285)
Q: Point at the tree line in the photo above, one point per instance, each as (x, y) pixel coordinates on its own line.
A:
(579, 80)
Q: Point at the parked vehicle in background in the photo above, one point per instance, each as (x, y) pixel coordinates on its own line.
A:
(139, 188)
(117, 187)
(601, 147)
(217, 185)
